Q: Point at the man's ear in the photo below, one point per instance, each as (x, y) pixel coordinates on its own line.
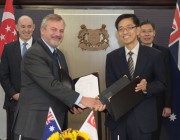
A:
(138, 30)
(154, 33)
(16, 27)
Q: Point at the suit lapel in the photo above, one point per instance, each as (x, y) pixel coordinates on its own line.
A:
(63, 61)
(141, 61)
(155, 46)
(16, 50)
(33, 41)
(44, 46)
(123, 62)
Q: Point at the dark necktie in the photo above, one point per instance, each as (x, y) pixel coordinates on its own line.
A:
(24, 49)
(57, 57)
(130, 64)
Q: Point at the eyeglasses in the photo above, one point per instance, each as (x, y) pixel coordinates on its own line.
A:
(128, 28)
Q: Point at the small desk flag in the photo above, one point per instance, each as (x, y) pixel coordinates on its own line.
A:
(51, 126)
(89, 126)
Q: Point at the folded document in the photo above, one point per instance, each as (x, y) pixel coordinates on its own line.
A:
(121, 97)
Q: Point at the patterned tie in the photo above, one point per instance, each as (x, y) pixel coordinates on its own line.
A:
(130, 64)
(56, 55)
(24, 49)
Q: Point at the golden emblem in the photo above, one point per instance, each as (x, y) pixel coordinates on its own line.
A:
(93, 40)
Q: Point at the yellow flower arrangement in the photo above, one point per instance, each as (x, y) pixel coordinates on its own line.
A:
(69, 134)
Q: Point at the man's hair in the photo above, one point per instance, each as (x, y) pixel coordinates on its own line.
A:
(148, 22)
(52, 17)
(124, 16)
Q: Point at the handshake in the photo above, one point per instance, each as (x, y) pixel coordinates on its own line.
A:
(92, 103)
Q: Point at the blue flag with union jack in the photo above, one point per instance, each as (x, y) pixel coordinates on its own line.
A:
(173, 122)
(51, 126)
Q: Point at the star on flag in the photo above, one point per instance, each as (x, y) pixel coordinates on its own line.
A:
(172, 117)
(7, 30)
(51, 126)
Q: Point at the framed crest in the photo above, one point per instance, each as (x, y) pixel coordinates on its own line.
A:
(93, 39)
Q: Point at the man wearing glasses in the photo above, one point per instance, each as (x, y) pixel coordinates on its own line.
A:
(135, 60)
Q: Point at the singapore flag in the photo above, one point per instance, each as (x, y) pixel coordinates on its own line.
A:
(89, 126)
(7, 30)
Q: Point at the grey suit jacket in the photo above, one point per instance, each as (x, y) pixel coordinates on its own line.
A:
(149, 66)
(41, 88)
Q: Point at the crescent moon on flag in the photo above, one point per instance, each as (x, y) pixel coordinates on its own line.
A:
(7, 15)
(92, 120)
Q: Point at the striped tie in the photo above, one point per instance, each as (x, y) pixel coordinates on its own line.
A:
(130, 64)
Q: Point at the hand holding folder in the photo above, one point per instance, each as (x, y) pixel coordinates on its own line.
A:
(120, 97)
(87, 86)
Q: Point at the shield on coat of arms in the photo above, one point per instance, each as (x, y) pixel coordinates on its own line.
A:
(93, 36)
(93, 39)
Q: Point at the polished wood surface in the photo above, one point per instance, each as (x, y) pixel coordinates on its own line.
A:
(95, 2)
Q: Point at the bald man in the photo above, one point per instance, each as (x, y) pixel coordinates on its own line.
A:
(10, 67)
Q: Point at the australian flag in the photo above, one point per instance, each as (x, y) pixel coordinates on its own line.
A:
(51, 126)
(173, 122)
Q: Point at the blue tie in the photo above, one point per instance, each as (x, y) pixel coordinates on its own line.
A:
(57, 57)
(24, 49)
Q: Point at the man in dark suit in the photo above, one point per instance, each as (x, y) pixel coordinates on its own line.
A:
(147, 35)
(42, 87)
(135, 60)
(10, 68)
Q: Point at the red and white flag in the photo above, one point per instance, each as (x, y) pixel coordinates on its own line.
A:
(89, 126)
(7, 30)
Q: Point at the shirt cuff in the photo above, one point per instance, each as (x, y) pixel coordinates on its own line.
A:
(78, 100)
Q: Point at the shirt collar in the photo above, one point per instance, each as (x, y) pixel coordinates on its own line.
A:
(29, 42)
(50, 48)
(151, 45)
(134, 50)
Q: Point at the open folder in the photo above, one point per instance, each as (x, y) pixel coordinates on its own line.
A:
(121, 97)
(87, 85)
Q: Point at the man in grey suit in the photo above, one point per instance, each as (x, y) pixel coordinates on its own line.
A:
(42, 84)
(147, 35)
(10, 68)
(135, 60)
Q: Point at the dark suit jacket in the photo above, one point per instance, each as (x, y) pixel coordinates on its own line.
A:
(149, 66)
(167, 102)
(10, 72)
(41, 89)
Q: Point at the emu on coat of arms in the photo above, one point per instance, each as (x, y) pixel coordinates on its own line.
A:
(93, 40)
